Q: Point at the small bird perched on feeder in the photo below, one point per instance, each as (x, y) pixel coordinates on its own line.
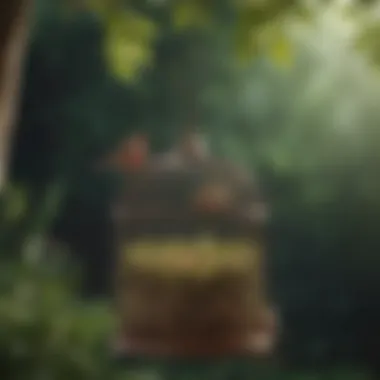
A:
(192, 148)
(131, 155)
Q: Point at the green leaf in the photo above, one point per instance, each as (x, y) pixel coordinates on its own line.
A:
(281, 51)
(189, 13)
(127, 57)
(128, 44)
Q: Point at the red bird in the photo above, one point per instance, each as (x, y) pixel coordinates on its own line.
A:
(131, 155)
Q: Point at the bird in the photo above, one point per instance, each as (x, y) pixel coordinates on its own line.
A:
(131, 155)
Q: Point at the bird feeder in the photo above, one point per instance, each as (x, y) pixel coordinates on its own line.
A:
(189, 274)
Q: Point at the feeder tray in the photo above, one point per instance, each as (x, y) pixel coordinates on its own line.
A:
(189, 265)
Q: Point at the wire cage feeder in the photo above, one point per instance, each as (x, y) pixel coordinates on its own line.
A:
(189, 268)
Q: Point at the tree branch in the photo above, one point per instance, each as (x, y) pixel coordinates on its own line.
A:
(14, 17)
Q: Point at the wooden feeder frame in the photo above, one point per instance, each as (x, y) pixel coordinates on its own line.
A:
(151, 204)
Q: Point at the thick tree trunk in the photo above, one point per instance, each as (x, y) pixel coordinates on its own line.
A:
(14, 24)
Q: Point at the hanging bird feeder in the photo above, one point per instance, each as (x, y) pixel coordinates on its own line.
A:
(189, 278)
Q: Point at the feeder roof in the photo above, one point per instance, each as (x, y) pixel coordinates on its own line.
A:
(187, 182)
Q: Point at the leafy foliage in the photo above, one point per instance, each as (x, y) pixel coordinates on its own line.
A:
(131, 30)
(45, 329)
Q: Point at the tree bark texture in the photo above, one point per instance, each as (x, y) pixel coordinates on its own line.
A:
(14, 17)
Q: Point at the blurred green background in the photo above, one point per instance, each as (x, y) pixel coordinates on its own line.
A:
(308, 127)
